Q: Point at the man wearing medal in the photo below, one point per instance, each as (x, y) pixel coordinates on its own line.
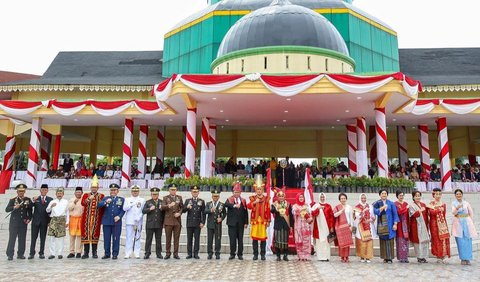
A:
(113, 212)
(154, 223)
(134, 220)
(172, 205)
(260, 219)
(195, 209)
(91, 219)
(20, 212)
(282, 211)
(216, 214)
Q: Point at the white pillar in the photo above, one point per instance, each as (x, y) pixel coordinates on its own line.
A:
(381, 140)
(34, 153)
(352, 148)
(425, 147)
(402, 145)
(142, 150)
(213, 144)
(362, 160)
(445, 167)
(127, 153)
(190, 142)
(160, 153)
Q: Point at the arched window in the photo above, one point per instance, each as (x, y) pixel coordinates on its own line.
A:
(286, 62)
(228, 68)
(265, 63)
(308, 63)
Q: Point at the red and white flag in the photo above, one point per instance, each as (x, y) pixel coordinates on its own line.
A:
(308, 192)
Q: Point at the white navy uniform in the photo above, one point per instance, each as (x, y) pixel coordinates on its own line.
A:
(133, 218)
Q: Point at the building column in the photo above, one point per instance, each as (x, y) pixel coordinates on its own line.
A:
(381, 140)
(142, 150)
(34, 153)
(46, 145)
(56, 151)
(10, 145)
(205, 153)
(213, 145)
(127, 153)
(361, 157)
(93, 148)
(445, 167)
(372, 145)
(190, 142)
(184, 138)
(402, 145)
(160, 152)
(425, 147)
(352, 148)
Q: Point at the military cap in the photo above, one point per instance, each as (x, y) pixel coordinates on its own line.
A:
(21, 187)
(114, 186)
(172, 187)
(194, 188)
(135, 188)
(155, 190)
(215, 192)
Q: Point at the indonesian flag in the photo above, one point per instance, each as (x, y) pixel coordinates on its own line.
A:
(270, 194)
(308, 193)
(5, 178)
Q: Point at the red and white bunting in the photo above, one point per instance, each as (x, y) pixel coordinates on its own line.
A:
(285, 86)
(352, 148)
(9, 153)
(381, 138)
(456, 106)
(127, 153)
(402, 145)
(425, 147)
(34, 153)
(142, 150)
(190, 145)
(445, 167)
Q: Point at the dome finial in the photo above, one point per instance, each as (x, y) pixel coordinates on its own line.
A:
(280, 2)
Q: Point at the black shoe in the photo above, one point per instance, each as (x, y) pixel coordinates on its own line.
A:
(176, 257)
(146, 257)
(94, 256)
(51, 257)
(255, 257)
(10, 258)
(41, 257)
(196, 257)
(167, 257)
(20, 257)
(217, 257)
(114, 257)
(232, 257)
(31, 256)
(210, 257)
(70, 255)
(79, 255)
(279, 258)
(60, 257)
(189, 257)
(240, 257)
(85, 256)
(285, 258)
(263, 257)
(389, 261)
(160, 256)
(105, 257)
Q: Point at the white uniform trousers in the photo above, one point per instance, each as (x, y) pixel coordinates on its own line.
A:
(130, 247)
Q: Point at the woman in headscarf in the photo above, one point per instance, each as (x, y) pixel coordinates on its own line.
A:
(323, 225)
(418, 227)
(303, 218)
(463, 228)
(402, 228)
(343, 227)
(363, 221)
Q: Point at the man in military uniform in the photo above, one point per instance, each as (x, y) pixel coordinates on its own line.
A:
(195, 209)
(154, 224)
(133, 220)
(237, 221)
(20, 210)
(216, 214)
(172, 205)
(113, 212)
(40, 221)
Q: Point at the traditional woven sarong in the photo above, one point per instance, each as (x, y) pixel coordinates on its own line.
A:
(56, 228)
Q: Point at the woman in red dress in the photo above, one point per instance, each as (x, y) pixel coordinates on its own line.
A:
(438, 227)
(343, 227)
(402, 228)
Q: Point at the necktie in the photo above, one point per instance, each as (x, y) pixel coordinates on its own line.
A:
(43, 200)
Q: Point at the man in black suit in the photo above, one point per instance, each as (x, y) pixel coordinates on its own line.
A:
(67, 163)
(195, 209)
(20, 210)
(154, 224)
(40, 221)
(237, 221)
(216, 214)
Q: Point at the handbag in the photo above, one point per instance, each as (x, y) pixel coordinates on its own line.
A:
(332, 237)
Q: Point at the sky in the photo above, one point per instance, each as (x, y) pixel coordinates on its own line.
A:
(33, 32)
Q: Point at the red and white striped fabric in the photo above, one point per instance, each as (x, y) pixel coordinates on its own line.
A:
(285, 85)
(352, 148)
(9, 153)
(361, 158)
(104, 108)
(205, 134)
(205, 162)
(372, 144)
(127, 153)
(56, 151)
(456, 106)
(445, 167)
(308, 192)
(381, 138)
(160, 152)
(402, 145)
(184, 138)
(45, 146)
(142, 150)
(190, 143)
(425, 147)
(213, 143)
(34, 153)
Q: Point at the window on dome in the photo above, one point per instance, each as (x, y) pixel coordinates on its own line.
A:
(243, 65)
(286, 62)
(326, 64)
(228, 68)
(265, 62)
(308, 63)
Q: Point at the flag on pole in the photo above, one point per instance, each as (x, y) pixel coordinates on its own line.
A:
(308, 192)
(271, 195)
